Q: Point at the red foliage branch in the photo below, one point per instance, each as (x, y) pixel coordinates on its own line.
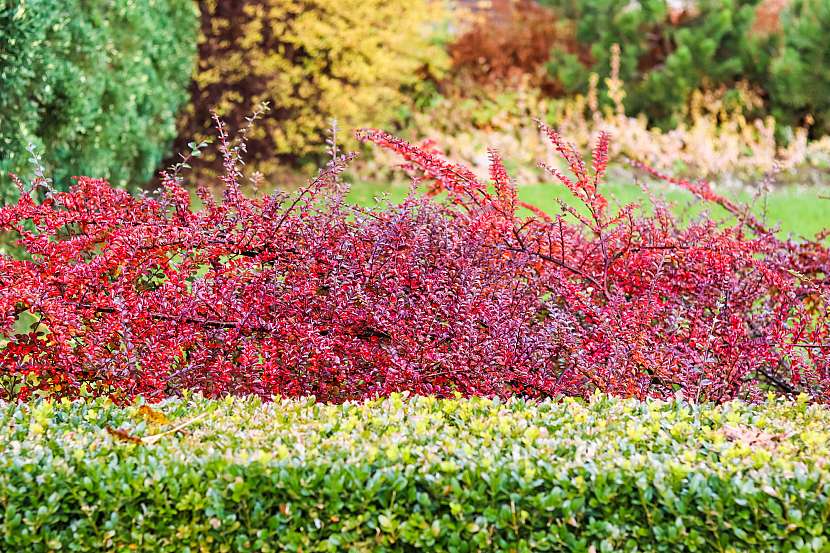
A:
(298, 294)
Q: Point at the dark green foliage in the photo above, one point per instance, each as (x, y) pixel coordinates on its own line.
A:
(800, 73)
(94, 86)
(601, 24)
(666, 54)
(419, 473)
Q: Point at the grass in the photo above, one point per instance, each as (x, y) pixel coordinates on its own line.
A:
(800, 212)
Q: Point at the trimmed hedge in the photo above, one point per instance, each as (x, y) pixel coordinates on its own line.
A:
(404, 473)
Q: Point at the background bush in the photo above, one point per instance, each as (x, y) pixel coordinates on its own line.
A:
(402, 474)
(349, 59)
(666, 54)
(800, 73)
(95, 86)
(508, 46)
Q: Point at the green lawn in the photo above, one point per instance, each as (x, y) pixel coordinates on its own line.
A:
(799, 211)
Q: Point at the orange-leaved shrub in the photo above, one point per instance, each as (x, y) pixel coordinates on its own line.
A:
(510, 44)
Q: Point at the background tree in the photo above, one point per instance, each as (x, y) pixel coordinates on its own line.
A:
(666, 53)
(312, 61)
(94, 86)
(800, 73)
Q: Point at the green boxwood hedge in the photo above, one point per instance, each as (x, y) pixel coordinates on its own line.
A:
(414, 473)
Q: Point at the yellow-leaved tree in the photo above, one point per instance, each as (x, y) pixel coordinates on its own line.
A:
(358, 61)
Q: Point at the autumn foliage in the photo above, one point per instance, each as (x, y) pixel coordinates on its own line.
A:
(301, 293)
(512, 43)
(354, 60)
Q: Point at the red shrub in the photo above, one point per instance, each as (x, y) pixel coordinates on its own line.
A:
(513, 42)
(302, 294)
